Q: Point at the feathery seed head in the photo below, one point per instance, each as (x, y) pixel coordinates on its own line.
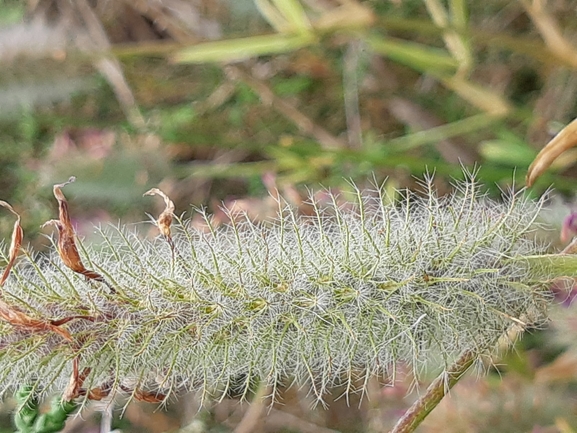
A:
(322, 299)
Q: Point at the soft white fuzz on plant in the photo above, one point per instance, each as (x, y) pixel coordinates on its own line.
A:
(322, 300)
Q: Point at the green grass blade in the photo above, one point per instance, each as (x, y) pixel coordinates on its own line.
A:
(242, 48)
(434, 135)
(294, 13)
(423, 58)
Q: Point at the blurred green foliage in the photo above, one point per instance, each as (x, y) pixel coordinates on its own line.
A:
(313, 93)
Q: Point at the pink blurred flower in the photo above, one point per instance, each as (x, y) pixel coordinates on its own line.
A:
(569, 228)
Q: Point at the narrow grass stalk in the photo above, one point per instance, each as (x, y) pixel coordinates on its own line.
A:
(416, 414)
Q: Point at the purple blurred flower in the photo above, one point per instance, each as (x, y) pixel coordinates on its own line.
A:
(564, 291)
(569, 228)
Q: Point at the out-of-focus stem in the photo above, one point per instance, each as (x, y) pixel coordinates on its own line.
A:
(415, 415)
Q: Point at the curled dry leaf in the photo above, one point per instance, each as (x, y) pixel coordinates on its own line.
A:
(10, 314)
(22, 320)
(566, 139)
(146, 396)
(67, 238)
(74, 388)
(17, 235)
(149, 397)
(165, 219)
(100, 392)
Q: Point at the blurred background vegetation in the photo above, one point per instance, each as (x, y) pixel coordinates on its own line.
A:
(224, 101)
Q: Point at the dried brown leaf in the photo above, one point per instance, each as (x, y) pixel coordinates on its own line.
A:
(67, 238)
(566, 139)
(164, 221)
(17, 236)
(99, 393)
(8, 313)
(74, 388)
(146, 396)
(22, 320)
(149, 397)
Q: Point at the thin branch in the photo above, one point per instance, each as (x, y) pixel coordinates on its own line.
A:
(415, 415)
(550, 31)
(351, 95)
(109, 66)
(288, 110)
(254, 412)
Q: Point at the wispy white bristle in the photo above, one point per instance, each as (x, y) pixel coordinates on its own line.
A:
(324, 299)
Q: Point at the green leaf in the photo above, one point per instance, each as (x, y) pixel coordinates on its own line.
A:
(237, 49)
(433, 135)
(423, 58)
(54, 420)
(294, 14)
(271, 14)
(508, 150)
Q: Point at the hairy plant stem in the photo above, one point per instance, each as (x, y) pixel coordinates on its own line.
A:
(415, 415)
(324, 300)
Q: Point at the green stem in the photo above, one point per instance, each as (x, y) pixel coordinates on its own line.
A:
(552, 265)
(28, 419)
(415, 415)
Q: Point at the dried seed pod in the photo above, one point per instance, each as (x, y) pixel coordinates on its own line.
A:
(8, 313)
(563, 141)
(66, 238)
(17, 235)
(22, 320)
(164, 220)
(74, 388)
